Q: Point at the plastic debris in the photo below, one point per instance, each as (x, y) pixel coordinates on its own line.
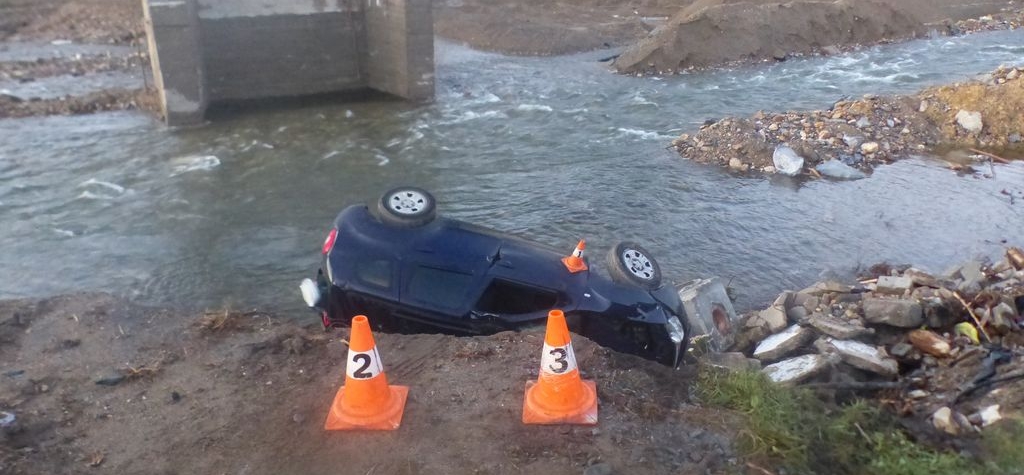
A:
(968, 330)
(786, 161)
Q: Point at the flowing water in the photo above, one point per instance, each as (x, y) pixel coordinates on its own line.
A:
(553, 148)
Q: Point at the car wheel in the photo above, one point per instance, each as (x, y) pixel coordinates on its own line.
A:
(629, 263)
(407, 206)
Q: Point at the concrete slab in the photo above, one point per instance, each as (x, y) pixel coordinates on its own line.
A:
(795, 370)
(865, 357)
(783, 343)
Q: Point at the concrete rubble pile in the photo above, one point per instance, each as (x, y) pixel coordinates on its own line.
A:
(948, 349)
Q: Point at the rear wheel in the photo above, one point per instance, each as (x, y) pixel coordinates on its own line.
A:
(407, 207)
(629, 263)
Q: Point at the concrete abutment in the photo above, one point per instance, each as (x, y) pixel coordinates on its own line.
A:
(207, 51)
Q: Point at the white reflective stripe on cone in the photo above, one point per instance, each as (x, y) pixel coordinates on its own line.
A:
(364, 364)
(557, 359)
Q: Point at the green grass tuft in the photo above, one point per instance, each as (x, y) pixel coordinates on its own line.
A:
(791, 429)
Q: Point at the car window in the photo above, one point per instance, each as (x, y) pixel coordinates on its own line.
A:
(443, 288)
(375, 272)
(507, 297)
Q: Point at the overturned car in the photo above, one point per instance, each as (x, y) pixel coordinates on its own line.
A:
(412, 271)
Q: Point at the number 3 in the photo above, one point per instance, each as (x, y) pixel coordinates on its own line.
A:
(560, 355)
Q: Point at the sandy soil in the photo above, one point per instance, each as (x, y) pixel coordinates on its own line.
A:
(99, 385)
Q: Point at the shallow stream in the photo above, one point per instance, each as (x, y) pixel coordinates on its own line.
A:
(552, 148)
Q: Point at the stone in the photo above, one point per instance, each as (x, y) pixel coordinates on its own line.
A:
(829, 286)
(939, 313)
(795, 370)
(774, 317)
(1002, 318)
(839, 170)
(869, 148)
(1013, 74)
(783, 343)
(969, 120)
(888, 284)
(1014, 138)
(901, 350)
(923, 107)
(806, 300)
(796, 314)
(892, 312)
(601, 468)
(738, 165)
(917, 394)
(865, 357)
(972, 276)
(928, 342)
(786, 161)
(852, 141)
(836, 328)
(863, 123)
(943, 420)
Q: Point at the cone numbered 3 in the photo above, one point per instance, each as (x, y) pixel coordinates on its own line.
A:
(559, 396)
(366, 401)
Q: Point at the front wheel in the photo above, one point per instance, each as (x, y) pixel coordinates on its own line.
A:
(629, 263)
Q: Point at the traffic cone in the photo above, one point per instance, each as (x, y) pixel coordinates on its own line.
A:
(574, 262)
(366, 401)
(559, 396)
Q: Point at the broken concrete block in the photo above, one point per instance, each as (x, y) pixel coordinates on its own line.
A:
(709, 311)
(888, 284)
(901, 350)
(829, 286)
(928, 342)
(865, 357)
(807, 301)
(783, 343)
(921, 278)
(837, 328)
(990, 415)
(774, 317)
(795, 370)
(732, 361)
(796, 314)
(893, 312)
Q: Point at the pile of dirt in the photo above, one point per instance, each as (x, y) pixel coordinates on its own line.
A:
(98, 385)
(709, 33)
(116, 99)
(81, 21)
(875, 129)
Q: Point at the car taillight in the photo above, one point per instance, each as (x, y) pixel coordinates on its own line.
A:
(329, 242)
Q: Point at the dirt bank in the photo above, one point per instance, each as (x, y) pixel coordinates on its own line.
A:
(98, 385)
(863, 133)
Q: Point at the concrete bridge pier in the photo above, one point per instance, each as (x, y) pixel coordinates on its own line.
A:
(207, 51)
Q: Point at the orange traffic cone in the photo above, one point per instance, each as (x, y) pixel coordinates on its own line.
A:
(559, 396)
(366, 401)
(575, 262)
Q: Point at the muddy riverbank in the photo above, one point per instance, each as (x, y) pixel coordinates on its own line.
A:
(95, 384)
(856, 135)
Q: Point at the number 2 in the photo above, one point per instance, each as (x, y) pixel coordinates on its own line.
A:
(360, 372)
(560, 355)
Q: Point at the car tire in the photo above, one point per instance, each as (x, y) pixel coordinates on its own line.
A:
(629, 263)
(407, 206)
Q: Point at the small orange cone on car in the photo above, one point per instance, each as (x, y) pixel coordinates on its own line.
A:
(574, 262)
(559, 396)
(366, 401)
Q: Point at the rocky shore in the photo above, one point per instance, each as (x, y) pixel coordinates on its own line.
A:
(944, 352)
(966, 123)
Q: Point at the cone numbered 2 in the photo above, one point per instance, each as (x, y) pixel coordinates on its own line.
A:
(366, 401)
(559, 396)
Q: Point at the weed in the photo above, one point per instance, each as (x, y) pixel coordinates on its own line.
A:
(792, 429)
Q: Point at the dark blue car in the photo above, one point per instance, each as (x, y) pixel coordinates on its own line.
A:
(412, 271)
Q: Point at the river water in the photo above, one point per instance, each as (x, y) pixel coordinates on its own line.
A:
(553, 148)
